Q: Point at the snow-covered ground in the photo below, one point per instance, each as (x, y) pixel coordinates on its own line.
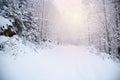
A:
(24, 61)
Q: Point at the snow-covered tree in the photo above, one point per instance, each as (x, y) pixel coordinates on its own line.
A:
(19, 12)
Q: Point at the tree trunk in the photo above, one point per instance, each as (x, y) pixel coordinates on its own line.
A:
(106, 36)
(42, 23)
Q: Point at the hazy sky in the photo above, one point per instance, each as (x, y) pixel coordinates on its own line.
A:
(65, 4)
(72, 12)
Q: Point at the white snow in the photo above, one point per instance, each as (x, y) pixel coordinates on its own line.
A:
(4, 22)
(59, 63)
(3, 39)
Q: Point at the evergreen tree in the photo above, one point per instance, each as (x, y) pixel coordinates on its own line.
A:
(20, 14)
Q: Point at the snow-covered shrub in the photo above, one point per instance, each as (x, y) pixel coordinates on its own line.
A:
(16, 46)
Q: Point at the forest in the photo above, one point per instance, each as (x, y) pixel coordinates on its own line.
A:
(91, 22)
(59, 31)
